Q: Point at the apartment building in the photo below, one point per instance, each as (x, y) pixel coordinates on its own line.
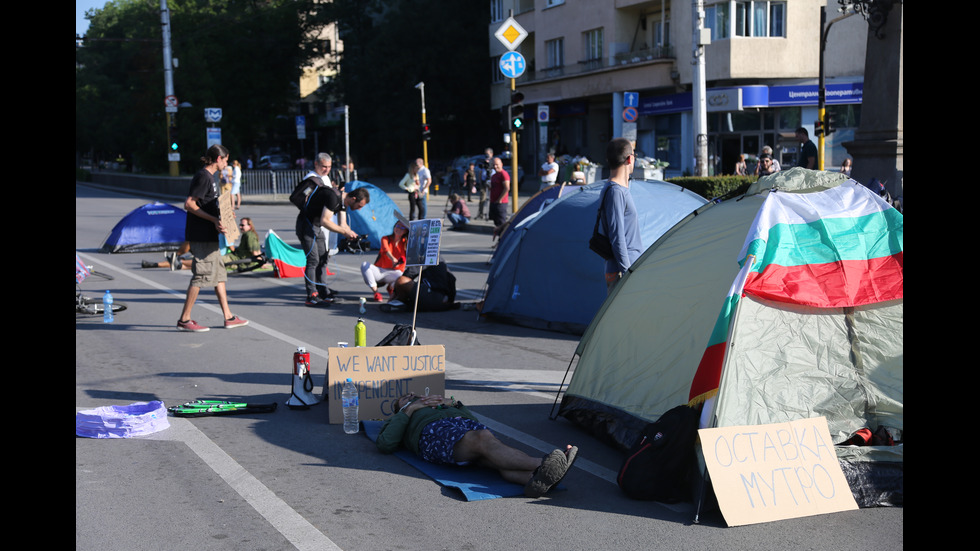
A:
(761, 66)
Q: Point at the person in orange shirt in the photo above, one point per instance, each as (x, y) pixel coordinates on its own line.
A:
(390, 264)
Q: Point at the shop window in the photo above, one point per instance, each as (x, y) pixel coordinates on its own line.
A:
(789, 118)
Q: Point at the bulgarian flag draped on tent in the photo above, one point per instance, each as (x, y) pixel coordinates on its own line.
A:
(288, 260)
(836, 248)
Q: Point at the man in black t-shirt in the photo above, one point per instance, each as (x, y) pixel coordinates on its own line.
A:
(202, 229)
(808, 150)
(323, 203)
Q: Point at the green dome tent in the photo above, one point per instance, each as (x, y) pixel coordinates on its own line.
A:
(775, 353)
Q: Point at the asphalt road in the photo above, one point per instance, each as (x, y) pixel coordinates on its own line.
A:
(290, 480)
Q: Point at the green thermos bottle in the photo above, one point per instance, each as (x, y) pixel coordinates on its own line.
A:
(360, 333)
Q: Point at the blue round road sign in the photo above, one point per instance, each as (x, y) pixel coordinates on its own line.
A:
(512, 64)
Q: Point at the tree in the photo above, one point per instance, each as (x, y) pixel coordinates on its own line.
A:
(389, 47)
(243, 56)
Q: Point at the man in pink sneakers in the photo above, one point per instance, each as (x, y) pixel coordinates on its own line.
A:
(202, 229)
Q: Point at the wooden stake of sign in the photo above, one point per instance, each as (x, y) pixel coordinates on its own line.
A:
(227, 215)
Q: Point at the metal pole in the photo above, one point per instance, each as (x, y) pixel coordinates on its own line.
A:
(425, 145)
(347, 141)
(822, 93)
(168, 76)
(698, 88)
(513, 156)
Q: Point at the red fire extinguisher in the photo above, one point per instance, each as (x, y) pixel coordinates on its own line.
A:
(301, 362)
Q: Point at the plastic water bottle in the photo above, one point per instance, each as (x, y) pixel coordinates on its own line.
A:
(349, 398)
(107, 308)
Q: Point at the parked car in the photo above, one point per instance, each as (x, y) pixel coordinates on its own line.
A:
(274, 162)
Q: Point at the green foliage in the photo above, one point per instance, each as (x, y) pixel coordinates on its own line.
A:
(392, 45)
(243, 56)
(713, 187)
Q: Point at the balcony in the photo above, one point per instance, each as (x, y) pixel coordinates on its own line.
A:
(645, 54)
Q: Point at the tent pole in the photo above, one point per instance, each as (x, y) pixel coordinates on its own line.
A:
(552, 415)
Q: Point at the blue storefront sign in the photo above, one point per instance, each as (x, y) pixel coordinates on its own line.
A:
(837, 94)
(761, 97)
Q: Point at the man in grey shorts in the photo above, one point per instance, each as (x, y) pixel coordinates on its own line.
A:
(445, 431)
(202, 229)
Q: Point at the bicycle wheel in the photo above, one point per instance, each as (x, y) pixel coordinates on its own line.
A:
(87, 306)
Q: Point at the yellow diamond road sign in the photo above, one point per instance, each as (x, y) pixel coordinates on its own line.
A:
(511, 34)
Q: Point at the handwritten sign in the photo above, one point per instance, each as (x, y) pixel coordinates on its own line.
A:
(424, 237)
(382, 374)
(772, 472)
(227, 215)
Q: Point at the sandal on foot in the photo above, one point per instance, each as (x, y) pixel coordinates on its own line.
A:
(552, 470)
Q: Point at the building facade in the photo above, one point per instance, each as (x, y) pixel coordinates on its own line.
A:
(624, 68)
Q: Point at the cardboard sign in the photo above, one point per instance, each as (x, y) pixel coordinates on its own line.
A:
(772, 472)
(227, 214)
(424, 237)
(382, 374)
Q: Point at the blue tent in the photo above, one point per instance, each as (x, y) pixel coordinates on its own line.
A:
(377, 218)
(544, 275)
(533, 206)
(152, 227)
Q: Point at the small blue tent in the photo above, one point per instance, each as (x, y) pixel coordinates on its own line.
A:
(533, 206)
(152, 227)
(545, 276)
(377, 218)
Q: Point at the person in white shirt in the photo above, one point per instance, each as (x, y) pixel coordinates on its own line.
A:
(549, 171)
(425, 178)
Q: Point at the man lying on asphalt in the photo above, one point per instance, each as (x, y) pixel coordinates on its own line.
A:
(446, 432)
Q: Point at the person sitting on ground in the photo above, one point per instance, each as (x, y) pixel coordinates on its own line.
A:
(459, 214)
(175, 260)
(437, 294)
(445, 431)
(249, 247)
(390, 264)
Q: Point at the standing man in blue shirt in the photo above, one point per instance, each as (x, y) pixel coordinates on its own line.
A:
(619, 217)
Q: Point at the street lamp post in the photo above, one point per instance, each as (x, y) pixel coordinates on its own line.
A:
(425, 145)
(168, 79)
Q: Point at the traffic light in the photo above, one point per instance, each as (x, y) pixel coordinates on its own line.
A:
(828, 124)
(517, 112)
(818, 128)
(174, 148)
(426, 132)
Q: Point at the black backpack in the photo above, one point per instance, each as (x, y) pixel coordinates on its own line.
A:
(304, 191)
(659, 465)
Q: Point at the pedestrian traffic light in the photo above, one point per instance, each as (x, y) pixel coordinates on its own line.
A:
(828, 124)
(517, 111)
(818, 128)
(426, 134)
